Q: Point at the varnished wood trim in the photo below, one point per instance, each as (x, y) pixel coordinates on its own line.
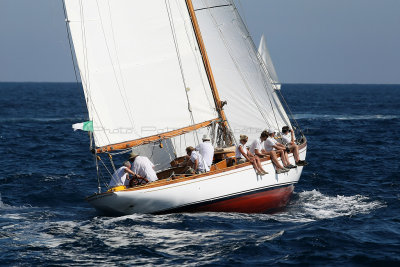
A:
(154, 138)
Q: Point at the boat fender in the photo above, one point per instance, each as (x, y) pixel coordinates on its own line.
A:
(117, 188)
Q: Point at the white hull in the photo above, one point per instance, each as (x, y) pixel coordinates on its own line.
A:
(236, 189)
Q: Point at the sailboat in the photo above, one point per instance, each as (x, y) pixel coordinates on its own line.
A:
(267, 60)
(156, 75)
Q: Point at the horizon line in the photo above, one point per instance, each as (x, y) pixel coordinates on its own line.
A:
(288, 83)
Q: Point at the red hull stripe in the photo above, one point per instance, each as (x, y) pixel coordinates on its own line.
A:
(251, 202)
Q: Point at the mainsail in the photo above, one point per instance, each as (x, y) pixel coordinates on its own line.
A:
(141, 68)
(241, 76)
(144, 71)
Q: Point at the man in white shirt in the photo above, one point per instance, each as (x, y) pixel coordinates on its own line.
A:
(290, 142)
(256, 148)
(196, 161)
(121, 176)
(206, 150)
(271, 145)
(143, 167)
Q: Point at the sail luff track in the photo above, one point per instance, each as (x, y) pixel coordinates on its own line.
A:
(207, 64)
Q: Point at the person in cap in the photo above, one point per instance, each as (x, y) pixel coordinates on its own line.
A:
(143, 167)
(289, 141)
(206, 150)
(121, 176)
(272, 146)
(243, 155)
(196, 163)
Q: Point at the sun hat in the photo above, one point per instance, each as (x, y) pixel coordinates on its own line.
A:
(133, 155)
(206, 137)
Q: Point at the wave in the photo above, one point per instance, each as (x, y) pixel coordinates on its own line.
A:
(3, 205)
(344, 117)
(313, 205)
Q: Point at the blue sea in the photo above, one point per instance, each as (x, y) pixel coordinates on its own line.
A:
(345, 210)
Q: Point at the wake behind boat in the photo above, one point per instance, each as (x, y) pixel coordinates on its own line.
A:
(156, 76)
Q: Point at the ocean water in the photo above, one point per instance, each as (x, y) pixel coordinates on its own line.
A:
(345, 209)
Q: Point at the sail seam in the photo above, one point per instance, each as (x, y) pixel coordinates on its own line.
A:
(114, 70)
(265, 83)
(76, 70)
(171, 22)
(87, 78)
(264, 69)
(211, 7)
(237, 67)
(119, 67)
(210, 103)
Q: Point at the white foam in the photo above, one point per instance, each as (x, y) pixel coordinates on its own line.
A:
(345, 117)
(367, 117)
(263, 239)
(313, 205)
(2, 205)
(117, 241)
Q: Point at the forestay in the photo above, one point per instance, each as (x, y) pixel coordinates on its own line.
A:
(241, 77)
(140, 67)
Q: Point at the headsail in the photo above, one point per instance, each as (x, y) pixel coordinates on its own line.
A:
(241, 77)
(141, 68)
(264, 53)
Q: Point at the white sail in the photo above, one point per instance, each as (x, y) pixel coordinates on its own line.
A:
(265, 55)
(140, 67)
(242, 79)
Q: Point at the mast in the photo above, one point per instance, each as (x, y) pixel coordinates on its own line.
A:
(218, 103)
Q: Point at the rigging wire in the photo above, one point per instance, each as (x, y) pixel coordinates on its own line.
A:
(267, 85)
(171, 22)
(291, 114)
(102, 179)
(237, 65)
(244, 14)
(70, 46)
(98, 173)
(263, 64)
(126, 105)
(190, 34)
(105, 166)
(259, 60)
(118, 62)
(86, 80)
(76, 68)
(69, 37)
(111, 161)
